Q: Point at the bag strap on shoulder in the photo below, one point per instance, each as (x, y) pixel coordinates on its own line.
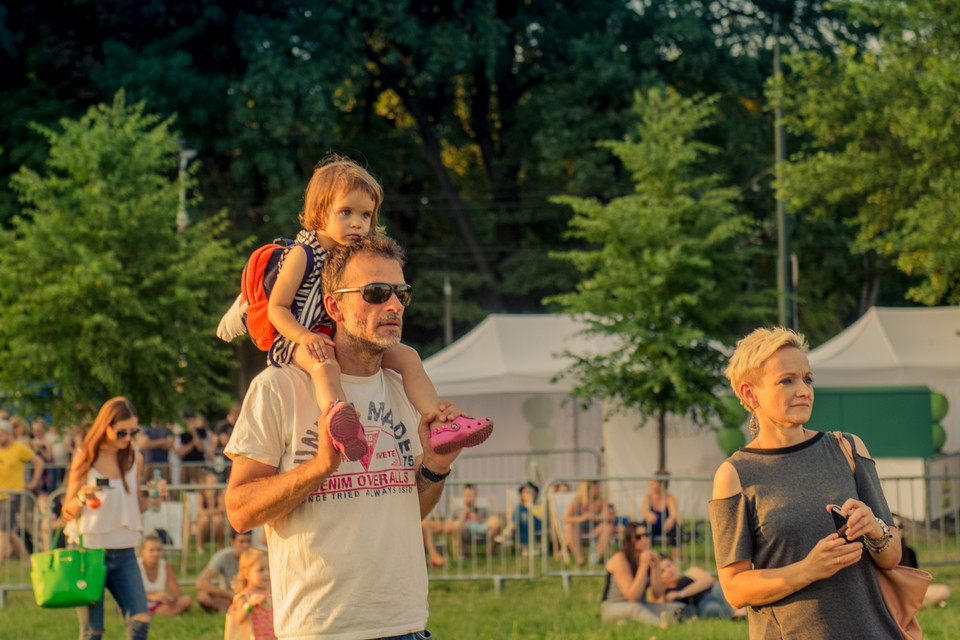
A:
(847, 452)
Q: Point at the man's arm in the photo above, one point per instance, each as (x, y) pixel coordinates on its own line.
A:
(37, 473)
(427, 490)
(205, 583)
(256, 494)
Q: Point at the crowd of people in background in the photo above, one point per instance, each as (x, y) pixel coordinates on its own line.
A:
(35, 457)
(645, 580)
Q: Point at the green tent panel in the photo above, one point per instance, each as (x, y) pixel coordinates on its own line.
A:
(894, 422)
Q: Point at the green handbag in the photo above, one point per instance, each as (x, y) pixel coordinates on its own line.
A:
(68, 577)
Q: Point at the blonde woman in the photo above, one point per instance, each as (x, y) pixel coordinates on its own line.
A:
(104, 502)
(588, 515)
(777, 548)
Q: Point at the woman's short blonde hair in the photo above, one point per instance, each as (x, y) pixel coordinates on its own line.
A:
(754, 349)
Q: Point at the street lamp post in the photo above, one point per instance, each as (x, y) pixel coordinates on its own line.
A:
(183, 219)
(786, 306)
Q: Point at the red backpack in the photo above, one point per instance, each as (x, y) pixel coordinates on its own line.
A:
(257, 282)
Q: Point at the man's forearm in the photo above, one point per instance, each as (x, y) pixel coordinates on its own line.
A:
(260, 500)
(38, 467)
(212, 589)
(429, 493)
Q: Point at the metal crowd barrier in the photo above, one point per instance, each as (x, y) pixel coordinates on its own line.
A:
(693, 538)
(494, 552)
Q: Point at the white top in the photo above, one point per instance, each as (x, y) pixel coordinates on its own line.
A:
(154, 586)
(347, 563)
(117, 523)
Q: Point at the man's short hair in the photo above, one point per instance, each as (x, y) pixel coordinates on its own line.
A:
(337, 260)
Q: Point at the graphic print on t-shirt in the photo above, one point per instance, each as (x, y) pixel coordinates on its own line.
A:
(387, 467)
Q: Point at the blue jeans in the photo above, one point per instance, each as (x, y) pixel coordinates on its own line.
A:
(712, 605)
(126, 585)
(416, 635)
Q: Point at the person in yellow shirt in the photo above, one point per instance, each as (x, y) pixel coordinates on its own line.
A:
(14, 457)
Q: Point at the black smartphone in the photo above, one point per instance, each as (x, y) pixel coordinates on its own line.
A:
(839, 521)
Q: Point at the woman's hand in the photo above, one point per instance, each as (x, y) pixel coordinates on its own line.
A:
(649, 558)
(860, 520)
(830, 555)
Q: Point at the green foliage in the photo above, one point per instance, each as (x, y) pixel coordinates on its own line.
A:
(468, 609)
(882, 155)
(472, 113)
(99, 294)
(664, 271)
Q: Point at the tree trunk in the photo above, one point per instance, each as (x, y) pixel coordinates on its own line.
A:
(432, 154)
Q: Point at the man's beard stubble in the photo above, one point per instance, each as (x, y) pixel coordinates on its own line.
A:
(365, 345)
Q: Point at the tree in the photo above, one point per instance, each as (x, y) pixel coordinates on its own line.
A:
(471, 113)
(881, 153)
(662, 270)
(100, 295)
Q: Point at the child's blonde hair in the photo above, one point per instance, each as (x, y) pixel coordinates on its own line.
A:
(249, 558)
(334, 176)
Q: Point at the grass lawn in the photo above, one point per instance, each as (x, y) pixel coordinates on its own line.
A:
(462, 610)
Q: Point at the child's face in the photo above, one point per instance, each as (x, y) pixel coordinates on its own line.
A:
(259, 575)
(349, 218)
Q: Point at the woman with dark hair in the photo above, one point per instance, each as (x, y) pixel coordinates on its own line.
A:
(103, 504)
(631, 571)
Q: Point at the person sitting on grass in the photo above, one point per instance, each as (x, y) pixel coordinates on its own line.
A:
(159, 581)
(589, 515)
(697, 590)
(225, 564)
(526, 518)
(631, 572)
(658, 508)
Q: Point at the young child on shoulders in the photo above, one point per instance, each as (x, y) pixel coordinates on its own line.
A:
(341, 204)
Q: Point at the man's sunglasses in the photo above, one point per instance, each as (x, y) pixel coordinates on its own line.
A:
(123, 433)
(380, 292)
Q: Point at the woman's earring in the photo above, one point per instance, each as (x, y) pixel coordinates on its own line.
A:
(754, 425)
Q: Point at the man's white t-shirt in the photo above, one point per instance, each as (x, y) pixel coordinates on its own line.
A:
(347, 563)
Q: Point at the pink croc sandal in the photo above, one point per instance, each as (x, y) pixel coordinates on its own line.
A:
(346, 432)
(460, 432)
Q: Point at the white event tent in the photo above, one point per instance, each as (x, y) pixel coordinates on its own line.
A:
(896, 347)
(505, 368)
(903, 347)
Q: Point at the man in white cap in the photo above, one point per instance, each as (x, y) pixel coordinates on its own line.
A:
(14, 457)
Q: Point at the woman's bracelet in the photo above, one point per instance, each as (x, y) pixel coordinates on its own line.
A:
(879, 545)
(249, 608)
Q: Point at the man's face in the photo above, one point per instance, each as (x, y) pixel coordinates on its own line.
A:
(374, 327)
(241, 543)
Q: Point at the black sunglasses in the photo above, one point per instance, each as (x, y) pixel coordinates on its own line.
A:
(380, 292)
(123, 433)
